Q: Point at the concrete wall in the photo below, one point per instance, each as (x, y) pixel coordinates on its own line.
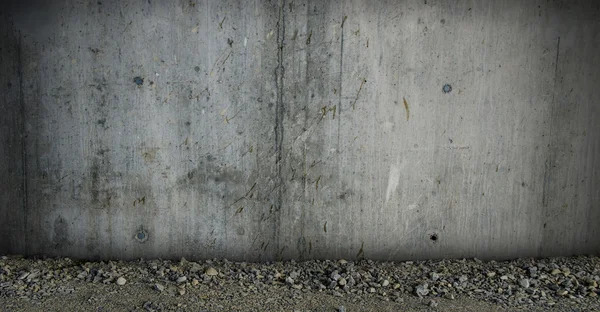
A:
(303, 129)
(12, 180)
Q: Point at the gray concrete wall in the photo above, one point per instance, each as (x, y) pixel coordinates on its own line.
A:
(12, 180)
(305, 129)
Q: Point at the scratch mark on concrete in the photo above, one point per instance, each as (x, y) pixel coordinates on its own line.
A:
(127, 27)
(240, 210)
(406, 108)
(358, 93)
(226, 58)
(229, 119)
(361, 252)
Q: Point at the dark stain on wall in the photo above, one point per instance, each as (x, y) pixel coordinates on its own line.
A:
(61, 237)
(13, 199)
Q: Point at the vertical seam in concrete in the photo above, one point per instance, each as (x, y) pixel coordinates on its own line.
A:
(549, 159)
(279, 109)
(23, 145)
(547, 167)
(339, 108)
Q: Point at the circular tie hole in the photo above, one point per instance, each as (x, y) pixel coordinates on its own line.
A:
(141, 236)
(433, 237)
(447, 88)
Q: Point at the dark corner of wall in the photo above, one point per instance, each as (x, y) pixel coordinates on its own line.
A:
(12, 188)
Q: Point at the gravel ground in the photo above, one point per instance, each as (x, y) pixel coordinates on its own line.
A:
(62, 284)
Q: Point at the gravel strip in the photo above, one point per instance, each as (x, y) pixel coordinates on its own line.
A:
(520, 283)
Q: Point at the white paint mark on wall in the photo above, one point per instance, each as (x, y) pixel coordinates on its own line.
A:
(393, 181)
(415, 205)
(245, 41)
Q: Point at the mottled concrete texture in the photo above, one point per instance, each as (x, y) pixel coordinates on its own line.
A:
(261, 130)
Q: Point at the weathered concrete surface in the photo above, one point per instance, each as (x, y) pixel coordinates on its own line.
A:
(11, 139)
(305, 129)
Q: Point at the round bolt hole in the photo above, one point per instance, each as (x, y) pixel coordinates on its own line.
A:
(433, 237)
(447, 88)
(141, 236)
(138, 81)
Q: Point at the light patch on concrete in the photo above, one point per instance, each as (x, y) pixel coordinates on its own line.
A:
(393, 181)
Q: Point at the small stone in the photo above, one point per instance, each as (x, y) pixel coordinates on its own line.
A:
(562, 292)
(294, 274)
(341, 281)
(341, 309)
(371, 290)
(434, 276)
(463, 279)
(297, 286)
(195, 282)
(524, 283)
(121, 281)
(181, 291)
(422, 290)
(385, 283)
(159, 287)
(491, 274)
(181, 279)
(195, 268)
(342, 262)
(555, 272)
(433, 303)
(504, 277)
(211, 272)
(289, 280)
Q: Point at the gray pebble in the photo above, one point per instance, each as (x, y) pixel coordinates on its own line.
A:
(181, 279)
(422, 290)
